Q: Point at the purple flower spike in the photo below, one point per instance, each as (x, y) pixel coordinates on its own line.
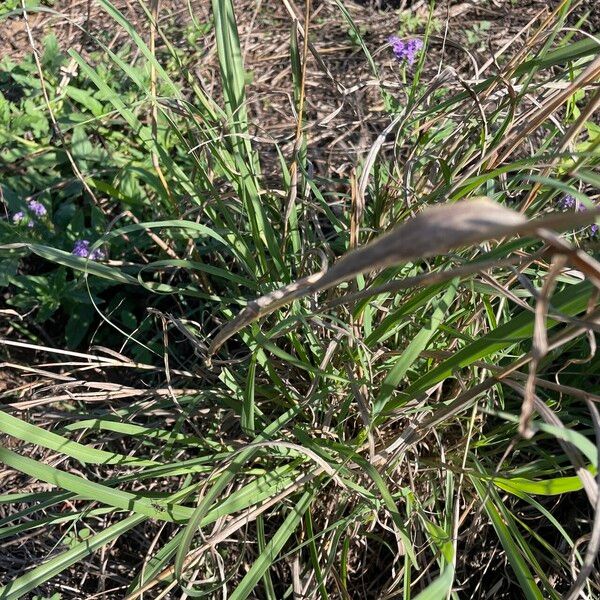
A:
(97, 254)
(82, 249)
(413, 47)
(567, 202)
(18, 217)
(398, 47)
(37, 208)
(405, 50)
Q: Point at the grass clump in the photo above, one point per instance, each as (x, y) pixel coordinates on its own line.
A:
(202, 397)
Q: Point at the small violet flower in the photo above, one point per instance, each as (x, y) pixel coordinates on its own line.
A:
(82, 249)
(18, 217)
(37, 208)
(405, 51)
(568, 202)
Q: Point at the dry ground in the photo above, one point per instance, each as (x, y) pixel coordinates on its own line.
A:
(344, 108)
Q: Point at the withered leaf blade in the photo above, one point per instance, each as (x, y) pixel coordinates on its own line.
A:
(434, 231)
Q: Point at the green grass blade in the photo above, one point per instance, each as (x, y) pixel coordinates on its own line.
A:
(24, 584)
(95, 491)
(272, 549)
(87, 455)
(414, 349)
(571, 301)
(546, 487)
(440, 586)
(526, 580)
(247, 417)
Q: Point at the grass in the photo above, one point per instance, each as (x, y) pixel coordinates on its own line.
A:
(421, 426)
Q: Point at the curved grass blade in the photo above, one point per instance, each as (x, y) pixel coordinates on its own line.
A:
(571, 301)
(436, 230)
(24, 584)
(87, 455)
(526, 580)
(234, 466)
(272, 549)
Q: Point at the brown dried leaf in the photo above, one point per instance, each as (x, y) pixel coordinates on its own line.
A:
(434, 231)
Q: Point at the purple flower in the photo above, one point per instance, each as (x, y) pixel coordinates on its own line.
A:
(37, 208)
(567, 202)
(82, 249)
(21, 217)
(18, 217)
(97, 254)
(405, 50)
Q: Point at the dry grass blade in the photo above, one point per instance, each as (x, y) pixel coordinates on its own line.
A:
(396, 285)
(540, 343)
(299, 124)
(92, 360)
(419, 427)
(533, 121)
(436, 230)
(587, 479)
(594, 544)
